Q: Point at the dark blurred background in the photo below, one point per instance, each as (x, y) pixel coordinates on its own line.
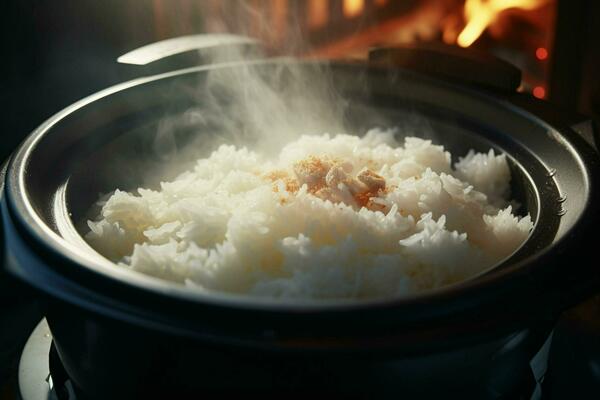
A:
(57, 51)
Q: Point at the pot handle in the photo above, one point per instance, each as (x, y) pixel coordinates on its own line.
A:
(456, 64)
(484, 71)
(188, 51)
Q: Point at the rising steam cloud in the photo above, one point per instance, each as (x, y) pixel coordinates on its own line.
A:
(248, 101)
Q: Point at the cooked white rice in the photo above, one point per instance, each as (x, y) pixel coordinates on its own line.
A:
(331, 217)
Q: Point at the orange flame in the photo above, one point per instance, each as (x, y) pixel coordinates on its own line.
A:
(479, 14)
(353, 8)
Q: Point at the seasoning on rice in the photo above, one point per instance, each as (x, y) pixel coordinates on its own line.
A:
(331, 217)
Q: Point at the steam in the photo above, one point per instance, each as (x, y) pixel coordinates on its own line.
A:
(265, 106)
(251, 102)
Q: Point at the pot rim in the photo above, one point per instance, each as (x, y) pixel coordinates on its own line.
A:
(30, 223)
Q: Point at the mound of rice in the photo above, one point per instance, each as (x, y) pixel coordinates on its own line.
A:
(331, 217)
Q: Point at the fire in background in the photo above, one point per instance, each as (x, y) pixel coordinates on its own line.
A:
(520, 31)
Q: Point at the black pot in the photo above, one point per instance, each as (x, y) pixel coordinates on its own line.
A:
(120, 334)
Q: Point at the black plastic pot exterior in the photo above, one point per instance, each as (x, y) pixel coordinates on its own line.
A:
(122, 334)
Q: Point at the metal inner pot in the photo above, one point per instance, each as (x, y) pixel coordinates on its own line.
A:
(101, 143)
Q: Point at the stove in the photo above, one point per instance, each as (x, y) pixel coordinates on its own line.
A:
(41, 375)
(567, 365)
